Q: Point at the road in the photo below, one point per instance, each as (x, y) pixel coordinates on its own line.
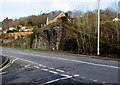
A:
(63, 67)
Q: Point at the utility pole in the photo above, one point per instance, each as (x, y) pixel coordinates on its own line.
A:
(98, 40)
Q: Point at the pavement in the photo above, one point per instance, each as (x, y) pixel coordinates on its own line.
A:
(41, 68)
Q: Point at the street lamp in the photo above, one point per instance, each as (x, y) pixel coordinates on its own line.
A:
(98, 38)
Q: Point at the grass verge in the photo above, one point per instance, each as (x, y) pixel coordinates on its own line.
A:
(94, 56)
(37, 49)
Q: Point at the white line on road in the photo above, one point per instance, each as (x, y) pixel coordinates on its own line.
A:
(103, 82)
(36, 67)
(40, 65)
(44, 69)
(89, 63)
(27, 66)
(95, 80)
(59, 70)
(82, 77)
(53, 72)
(76, 75)
(2, 73)
(16, 59)
(65, 76)
(51, 68)
(52, 81)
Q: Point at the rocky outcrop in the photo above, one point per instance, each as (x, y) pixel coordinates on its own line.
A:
(55, 37)
(61, 36)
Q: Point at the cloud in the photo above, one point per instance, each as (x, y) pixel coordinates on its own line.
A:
(60, 5)
(31, 1)
(23, 1)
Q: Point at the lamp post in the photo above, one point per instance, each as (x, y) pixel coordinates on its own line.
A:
(98, 38)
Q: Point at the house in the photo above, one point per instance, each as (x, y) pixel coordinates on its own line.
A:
(116, 19)
(28, 29)
(0, 30)
(24, 28)
(5, 31)
(11, 28)
(54, 19)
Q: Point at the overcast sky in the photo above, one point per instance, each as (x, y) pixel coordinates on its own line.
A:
(14, 9)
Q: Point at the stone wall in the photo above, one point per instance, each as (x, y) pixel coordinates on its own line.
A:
(16, 43)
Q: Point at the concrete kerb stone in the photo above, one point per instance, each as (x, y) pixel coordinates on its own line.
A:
(5, 62)
(10, 62)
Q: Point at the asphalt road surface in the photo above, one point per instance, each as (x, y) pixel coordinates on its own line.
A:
(57, 68)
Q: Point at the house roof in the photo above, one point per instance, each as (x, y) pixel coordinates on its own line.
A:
(51, 18)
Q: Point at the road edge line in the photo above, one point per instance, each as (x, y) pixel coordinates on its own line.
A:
(9, 64)
(4, 62)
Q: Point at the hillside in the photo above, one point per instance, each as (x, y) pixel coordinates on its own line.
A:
(61, 36)
(77, 33)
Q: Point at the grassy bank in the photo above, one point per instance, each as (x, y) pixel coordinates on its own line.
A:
(95, 57)
(37, 49)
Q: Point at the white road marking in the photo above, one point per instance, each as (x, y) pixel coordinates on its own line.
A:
(36, 67)
(95, 80)
(82, 77)
(59, 70)
(89, 63)
(76, 75)
(65, 75)
(51, 68)
(39, 64)
(2, 73)
(43, 66)
(53, 72)
(67, 60)
(52, 81)
(26, 66)
(8, 64)
(44, 69)
(16, 59)
(103, 82)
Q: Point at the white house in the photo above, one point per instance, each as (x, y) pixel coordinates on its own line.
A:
(11, 28)
(5, 31)
(28, 29)
(23, 27)
(116, 19)
(0, 28)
